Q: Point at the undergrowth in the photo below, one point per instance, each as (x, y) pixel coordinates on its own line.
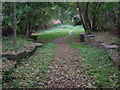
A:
(31, 72)
(97, 67)
(21, 41)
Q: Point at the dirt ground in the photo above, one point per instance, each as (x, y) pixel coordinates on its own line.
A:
(105, 37)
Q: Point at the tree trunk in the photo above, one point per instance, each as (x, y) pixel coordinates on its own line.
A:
(86, 15)
(81, 15)
(46, 26)
(28, 23)
(28, 29)
(94, 22)
(83, 10)
(61, 19)
(118, 21)
(14, 4)
(94, 27)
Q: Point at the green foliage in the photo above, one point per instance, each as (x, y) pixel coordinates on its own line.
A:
(43, 13)
(108, 6)
(64, 11)
(7, 44)
(37, 13)
(106, 16)
(89, 31)
(97, 66)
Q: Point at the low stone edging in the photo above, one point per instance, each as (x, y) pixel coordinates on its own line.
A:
(90, 40)
(13, 58)
(23, 53)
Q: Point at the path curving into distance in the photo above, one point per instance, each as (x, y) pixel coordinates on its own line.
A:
(65, 71)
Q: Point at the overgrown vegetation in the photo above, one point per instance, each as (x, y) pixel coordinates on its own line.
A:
(97, 67)
(35, 16)
(8, 46)
(99, 16)
(31, 72)
(95, 16)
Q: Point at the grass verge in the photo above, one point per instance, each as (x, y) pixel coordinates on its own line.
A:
(97, 67)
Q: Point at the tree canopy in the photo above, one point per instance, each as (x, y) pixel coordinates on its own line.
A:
(95, 16)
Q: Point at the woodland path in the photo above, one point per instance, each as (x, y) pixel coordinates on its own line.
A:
(66, 69)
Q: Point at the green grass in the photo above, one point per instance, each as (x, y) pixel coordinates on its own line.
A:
(53, 34)
(21, 41)
(97, 66)
(31, 72)
(77, 30)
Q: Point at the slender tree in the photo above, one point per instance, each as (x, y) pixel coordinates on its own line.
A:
(94, 14)
(118, 22)
(81, 16)
(28, 23)
(14, 5)
(86, 15)
(83, 11)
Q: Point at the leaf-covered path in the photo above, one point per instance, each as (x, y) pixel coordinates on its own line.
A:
(63, 63)
(66, 69)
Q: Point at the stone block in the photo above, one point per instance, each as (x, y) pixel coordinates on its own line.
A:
(97, 43)
(102, 45)
(111, 46)
(20, 55)
(24, 52)
(34, 37)
(114, 60)
(38, 44)
(82, 37)
(90, 35)
(9, 56)
(92, 41)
